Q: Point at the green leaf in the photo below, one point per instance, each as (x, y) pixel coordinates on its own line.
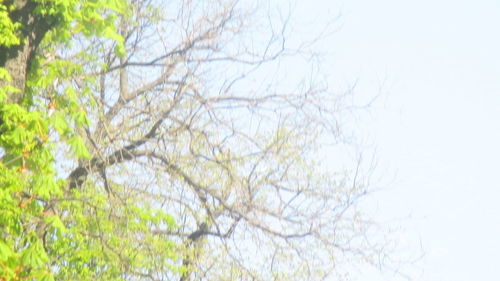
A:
(44, 185)
(81, 118)
(78, 147)
(47, 277)
(5, 251)
(59, 123)
(56, 223)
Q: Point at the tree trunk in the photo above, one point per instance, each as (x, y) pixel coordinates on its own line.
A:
(17, 59)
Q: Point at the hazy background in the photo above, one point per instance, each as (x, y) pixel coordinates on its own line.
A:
(436, 68)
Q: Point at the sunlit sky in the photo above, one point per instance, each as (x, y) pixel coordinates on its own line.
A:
(436, 66)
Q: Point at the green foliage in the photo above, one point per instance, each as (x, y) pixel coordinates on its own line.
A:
(46, 231)
(7, 27)
(118, 239)
(89, 18)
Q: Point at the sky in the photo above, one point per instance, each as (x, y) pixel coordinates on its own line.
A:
(435, 69)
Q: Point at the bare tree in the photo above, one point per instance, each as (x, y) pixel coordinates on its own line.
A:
(199, 120)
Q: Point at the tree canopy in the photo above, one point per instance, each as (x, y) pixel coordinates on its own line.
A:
(146, 140)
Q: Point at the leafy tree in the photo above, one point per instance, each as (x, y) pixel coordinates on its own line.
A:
(48, 231)
(147, 141)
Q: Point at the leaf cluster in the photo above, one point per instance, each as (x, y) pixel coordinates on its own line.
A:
(46, 231)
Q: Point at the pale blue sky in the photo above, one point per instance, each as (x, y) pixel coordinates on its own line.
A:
(436, 125)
